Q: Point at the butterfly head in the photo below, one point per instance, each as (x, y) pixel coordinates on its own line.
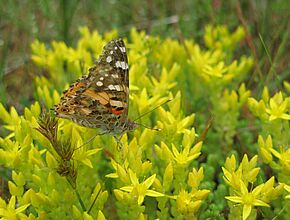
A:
(131, 125)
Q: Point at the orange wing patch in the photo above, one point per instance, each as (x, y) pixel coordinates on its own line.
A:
(102, 97)
(117, 112)
(72, 90)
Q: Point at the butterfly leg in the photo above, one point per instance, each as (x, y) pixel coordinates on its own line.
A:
(92, 138)
(120, 145)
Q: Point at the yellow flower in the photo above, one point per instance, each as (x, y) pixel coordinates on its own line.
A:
(248, 199)
(187, 203)
(246, 171)
(9, 211)
(283, 156)
(249, 169)
(216, 71)
(141, 190)
(277, 109)
(186, 155)
(265, 148)
(232, 179)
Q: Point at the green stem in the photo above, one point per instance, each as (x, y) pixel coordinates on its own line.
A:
(93, 203)
(78, 195)
(80, 200)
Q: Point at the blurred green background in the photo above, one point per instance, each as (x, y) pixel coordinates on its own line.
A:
(21, 22)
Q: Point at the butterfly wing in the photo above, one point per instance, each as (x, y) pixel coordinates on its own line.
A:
(115, 54)
(100, 100)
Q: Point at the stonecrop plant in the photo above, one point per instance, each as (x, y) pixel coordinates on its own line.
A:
(185, 168)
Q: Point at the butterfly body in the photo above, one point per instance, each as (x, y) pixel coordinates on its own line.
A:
(101, 99)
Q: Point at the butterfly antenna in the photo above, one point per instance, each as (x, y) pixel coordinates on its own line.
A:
(155, 129)
(169, 100)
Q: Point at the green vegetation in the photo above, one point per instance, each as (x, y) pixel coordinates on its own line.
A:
(223, 149)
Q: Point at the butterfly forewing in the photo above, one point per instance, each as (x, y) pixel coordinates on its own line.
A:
(115, 54)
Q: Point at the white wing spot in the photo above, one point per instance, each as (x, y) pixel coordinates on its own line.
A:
(106, 74)
(122, 64)
(114, 87)
(111, 87)
(99, 83)
(115, 76)
(102, 78)
(118, 64)
(115, 48)
(109, 59)
(116, 103)
(118, 88)
(123, 49)
(111, 52)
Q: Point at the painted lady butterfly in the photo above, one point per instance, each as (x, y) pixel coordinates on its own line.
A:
(101, 99)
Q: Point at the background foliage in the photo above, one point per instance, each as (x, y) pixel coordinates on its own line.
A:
(232, 78)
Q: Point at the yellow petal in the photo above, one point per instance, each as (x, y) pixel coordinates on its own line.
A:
(127, 188)
(153, 193)
(148, 182)
(234, 199)
(258, 202)
(140, 199)
(258, 189)
(244, 189)
(287, 187)
(246, 211)
(285, 116)
(133, 177)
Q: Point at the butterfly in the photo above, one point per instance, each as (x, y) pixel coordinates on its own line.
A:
(101, 99)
